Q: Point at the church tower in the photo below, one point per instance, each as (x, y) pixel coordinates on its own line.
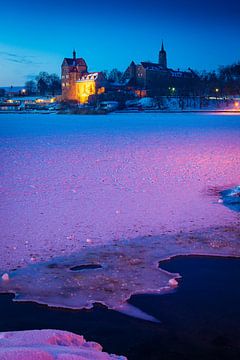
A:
(162, 59)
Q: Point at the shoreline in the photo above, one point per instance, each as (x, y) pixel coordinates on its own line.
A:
(197, 111)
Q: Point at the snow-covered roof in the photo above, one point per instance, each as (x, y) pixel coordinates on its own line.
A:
(13, 89)
(151, 66)
(31, 98)
(174, 73)
(89, 76)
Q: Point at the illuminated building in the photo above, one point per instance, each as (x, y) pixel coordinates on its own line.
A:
(90, 84)
(77, 83)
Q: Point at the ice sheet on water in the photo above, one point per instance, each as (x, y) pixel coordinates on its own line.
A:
(127, 268)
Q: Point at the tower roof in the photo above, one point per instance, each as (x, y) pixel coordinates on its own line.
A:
(74, 62)
(162, 48)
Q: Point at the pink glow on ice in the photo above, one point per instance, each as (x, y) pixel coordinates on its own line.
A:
(101, 181)
(60, 191)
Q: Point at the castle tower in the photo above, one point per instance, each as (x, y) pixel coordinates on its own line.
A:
(72, 70)
(162, 59)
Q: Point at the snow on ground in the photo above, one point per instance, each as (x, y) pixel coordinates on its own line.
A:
(50, 345)
(123, 191)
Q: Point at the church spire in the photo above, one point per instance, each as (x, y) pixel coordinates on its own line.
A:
(162, 58)
(74, 54)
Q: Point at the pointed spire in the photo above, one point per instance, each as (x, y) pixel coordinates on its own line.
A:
(74, 54)
(162, 57)
(162, 48)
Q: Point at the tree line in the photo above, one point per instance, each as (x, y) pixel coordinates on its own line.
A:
(224, 81)
(50, 84)
(44, 84)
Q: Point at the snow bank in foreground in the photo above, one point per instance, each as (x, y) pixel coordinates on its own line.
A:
(50, 345)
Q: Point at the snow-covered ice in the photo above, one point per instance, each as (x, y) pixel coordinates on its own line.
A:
(121, 191)
(231, 198)
(50, 345)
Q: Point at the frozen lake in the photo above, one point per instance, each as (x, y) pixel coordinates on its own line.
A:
(75, 183)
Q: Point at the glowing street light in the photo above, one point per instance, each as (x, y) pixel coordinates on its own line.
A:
(172, 89)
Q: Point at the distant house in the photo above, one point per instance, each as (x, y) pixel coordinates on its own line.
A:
(77, 83)
(11, 91)
(150, 79)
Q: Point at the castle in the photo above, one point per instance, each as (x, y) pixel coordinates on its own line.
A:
(77, 83)
(144, 79)
(156, 79)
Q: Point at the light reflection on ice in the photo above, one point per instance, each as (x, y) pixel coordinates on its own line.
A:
(80, 184)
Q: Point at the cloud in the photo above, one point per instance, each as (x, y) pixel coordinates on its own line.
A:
(20, 59)
(18, 65)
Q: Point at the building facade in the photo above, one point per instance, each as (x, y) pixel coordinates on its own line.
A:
(156, 79)
(77, 83)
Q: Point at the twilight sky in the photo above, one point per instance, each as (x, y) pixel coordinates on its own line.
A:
(36, 36)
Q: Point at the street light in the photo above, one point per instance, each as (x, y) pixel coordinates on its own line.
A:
(172, 89)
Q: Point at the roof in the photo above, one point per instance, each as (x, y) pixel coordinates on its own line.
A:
(31, 98)
(75, 62)
(162, 49)
(157, 67)
(90, 76)
(13, 89)
(151, 66)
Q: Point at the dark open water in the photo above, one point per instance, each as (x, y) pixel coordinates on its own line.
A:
(200, 320)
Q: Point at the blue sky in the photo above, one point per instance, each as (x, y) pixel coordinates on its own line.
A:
(36, 36)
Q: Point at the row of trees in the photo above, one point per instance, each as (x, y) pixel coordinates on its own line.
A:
(44, 84)
(114, 76)
(225, 81)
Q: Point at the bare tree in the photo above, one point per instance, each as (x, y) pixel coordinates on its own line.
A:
(31, 87)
